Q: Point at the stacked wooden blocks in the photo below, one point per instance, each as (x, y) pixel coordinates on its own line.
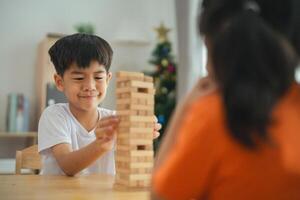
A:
(134, 150)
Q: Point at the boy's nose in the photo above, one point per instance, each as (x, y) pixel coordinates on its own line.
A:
(89, 85)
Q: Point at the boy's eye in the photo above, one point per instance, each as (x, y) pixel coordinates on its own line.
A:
(78, 79)
(98, 78)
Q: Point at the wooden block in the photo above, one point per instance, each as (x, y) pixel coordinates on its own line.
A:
(128, 89)
(143, 183)
(135, 107)
(135, 95)
(141, 165)
(126, 101)
(121, 84)
(133, 177)
(125, 95)
(142, 119)
(136, 147)
(133, 147)
(125, 167)
(142, 112)
(150, 112)
(123, 176)
(141, 107)
(135, 103)
(141, 130)
(142, 102)
(124, 79)
(141, 124)
(149, 125)
(140, 141)
(135, 165)
(125, 147)
(142, 135)
(127, 74)
(141, 95)
(123, 158)
(148, 79)
(123, 141)
(141, 84)
(150, 102)
(145, 91)
(133, 170)
(131, 124)
(123, 106)
(136, 118)
(133, 183)
(142, 153)
(144, 158)
(133, 141)
(140, 176)
(122, 181)
(127, 112)
(123, 170)
(135, 135)
(131, 130)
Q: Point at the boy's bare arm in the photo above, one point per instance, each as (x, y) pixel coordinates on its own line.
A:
(72, 162)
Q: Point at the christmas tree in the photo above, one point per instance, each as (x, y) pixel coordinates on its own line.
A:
(164, 77)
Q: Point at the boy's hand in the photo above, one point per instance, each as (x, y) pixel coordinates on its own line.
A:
(106, 132)
(157, 127)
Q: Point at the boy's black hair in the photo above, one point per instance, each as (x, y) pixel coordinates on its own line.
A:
(255, 48)
(80, 49)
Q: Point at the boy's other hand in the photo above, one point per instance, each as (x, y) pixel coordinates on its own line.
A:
(106, 132)
(157, 127)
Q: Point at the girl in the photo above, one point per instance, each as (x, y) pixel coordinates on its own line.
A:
(228, 142)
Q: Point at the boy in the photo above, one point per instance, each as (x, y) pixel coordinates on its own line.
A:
(79, 136)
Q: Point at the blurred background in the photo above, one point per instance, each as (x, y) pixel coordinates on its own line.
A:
(158, 37)
(135, 30)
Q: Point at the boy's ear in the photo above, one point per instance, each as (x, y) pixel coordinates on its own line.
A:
(59, 82)
(109, 76)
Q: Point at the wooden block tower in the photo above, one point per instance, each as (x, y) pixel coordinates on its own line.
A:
(134, 150)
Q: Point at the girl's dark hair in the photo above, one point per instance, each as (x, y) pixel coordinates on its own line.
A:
(254, 49)
(80, 49)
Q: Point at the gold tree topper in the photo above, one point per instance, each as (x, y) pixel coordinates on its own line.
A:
(162, 32)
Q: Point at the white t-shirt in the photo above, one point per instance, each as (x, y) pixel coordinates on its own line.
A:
(58, 125)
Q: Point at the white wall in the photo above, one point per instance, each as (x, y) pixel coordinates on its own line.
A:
(23, 24)
(298, 74)
(191, 52)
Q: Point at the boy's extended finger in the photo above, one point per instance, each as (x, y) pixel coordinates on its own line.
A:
(155, 119)
(157, 126)
(107, 121)
(156, 134)
(104, 131)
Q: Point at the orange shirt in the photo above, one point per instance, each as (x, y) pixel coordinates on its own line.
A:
(207, 163)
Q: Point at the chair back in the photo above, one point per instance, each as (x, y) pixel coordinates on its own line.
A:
(28, 158)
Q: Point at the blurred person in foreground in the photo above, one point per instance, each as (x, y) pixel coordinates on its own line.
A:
(236, 135)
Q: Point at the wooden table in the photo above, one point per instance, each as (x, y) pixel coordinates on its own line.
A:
(89, 187)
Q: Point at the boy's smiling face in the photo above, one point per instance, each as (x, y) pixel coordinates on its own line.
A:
(85, 88)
